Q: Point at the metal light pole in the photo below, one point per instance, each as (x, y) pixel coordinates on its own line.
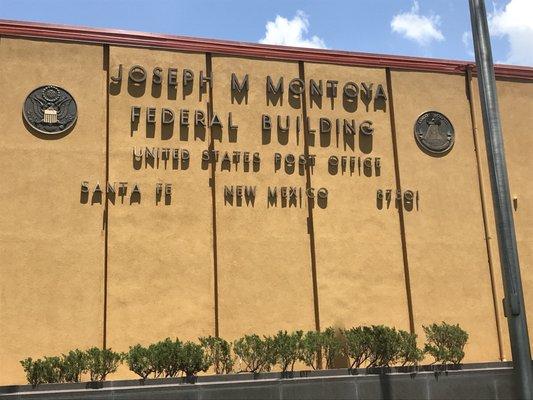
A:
(514, 298)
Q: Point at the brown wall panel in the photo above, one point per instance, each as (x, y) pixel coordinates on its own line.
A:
(160, 257)
(491, 225)
(515, 100)
(51, 245)
(359, 253)
(445, 238)
(264, 266)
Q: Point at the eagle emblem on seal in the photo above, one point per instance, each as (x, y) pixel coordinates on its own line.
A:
(50, 110)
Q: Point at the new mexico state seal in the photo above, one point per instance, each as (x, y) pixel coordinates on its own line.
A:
(434, 132)
(50, 110)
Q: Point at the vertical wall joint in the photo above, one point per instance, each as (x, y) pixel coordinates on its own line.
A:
(106, 204)
(212, 185)
(401, 216)
(310, 204)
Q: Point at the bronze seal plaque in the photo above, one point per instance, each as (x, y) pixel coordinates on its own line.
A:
(434, 132)
(50, 110)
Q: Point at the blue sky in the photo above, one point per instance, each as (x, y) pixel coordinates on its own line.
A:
(428, 28)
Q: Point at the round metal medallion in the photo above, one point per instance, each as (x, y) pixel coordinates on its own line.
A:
(50, 110)
(434, 132)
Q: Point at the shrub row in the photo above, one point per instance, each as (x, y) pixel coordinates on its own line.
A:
(70, 367)
(370, 346)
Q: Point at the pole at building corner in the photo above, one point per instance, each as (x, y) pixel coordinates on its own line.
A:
(514, 299)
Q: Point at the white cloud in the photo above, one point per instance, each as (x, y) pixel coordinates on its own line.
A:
(291, 32)
(515, 22)
(467, 42)
(414, 26)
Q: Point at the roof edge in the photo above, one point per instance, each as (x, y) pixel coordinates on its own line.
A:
(171, 42)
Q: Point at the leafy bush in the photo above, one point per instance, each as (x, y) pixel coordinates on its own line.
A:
(53, 370)
(377, 346)
(74, 364)
(445, 342)
(331, 346)
(381, 346)
(311, 349)
(254, 352)
(218, 353)
(47, 370)
(384, 346)
(167, 357)
(193, 359)
(140, 360)
(34, 370)
(316, 346)
(101, 362)
(286, 349)
(409, 353)
(358, 345)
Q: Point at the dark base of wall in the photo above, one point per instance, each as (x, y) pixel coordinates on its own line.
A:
(474, 381)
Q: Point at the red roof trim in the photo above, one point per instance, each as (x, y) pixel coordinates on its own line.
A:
(140, 39)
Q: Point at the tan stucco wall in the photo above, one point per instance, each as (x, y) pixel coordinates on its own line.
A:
(515, 108)
(160, 257)
(515, 101)
(445, 237)
(51, 246)
(359, 255)
(264, 265)
(200, 264)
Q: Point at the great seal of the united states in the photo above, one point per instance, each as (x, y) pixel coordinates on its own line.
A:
(50, 110)
(434, 132)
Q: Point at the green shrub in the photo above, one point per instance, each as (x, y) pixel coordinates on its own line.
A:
(101, 362)
(75, 364)
(316, 346)
(53, 371)
(377, 346)
(140, 360)
(381, 346)
(445, 342)
(286, 349)
(167, 357)
(254, 352)
(311, 349)
(218, 353)
(331, 346)
(193, 359)
(34, 370)
(67, 368)
(358, 345)
(409, 353)
(384, 346)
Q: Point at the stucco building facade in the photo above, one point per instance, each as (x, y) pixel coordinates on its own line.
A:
(211, 187)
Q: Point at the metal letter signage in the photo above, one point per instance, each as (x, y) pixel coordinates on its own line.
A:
(434, 132)
(50, 110)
